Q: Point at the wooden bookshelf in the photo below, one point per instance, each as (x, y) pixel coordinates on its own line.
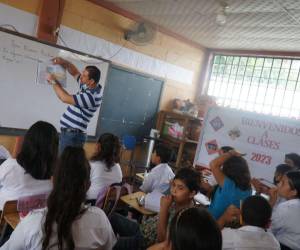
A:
(188, 123)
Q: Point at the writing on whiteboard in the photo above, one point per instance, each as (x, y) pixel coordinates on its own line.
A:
(14, 52)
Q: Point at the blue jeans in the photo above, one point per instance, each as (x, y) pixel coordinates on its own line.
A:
(67, 138)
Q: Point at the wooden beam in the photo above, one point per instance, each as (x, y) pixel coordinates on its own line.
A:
(50, 16)
(130, 15)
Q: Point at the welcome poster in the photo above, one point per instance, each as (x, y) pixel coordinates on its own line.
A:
(265, 139)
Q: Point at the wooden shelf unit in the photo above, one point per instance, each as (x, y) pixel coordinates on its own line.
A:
(181, 143)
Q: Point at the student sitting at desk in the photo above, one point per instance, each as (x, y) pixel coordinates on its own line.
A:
(256, 217)
(105, 169)
(160, 176)
(286, 216)
(66, 223)
(233, 177)
(30, 173)
(183, 189)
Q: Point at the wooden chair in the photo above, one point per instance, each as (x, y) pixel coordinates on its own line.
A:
(9, 207)
(112, 198)
(108, 197)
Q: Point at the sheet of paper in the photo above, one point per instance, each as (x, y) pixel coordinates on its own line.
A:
(202, 199)
(45, 68)
(152, 201)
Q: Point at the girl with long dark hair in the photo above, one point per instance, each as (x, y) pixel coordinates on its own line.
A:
(66, 223)
(105, 168)
(30, 173)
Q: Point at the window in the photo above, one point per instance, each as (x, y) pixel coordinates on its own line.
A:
(261, 84)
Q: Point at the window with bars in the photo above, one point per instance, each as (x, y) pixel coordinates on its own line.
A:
(261, 84)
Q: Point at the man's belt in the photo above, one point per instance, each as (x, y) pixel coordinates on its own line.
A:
(73, 130)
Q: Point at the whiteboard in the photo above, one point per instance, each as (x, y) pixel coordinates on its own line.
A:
(22, 100)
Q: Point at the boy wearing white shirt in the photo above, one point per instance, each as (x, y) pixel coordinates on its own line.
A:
(160, 176)
(255, 214)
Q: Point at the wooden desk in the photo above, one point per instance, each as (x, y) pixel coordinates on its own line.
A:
(141, 176)
(12, 219)
(130, 200)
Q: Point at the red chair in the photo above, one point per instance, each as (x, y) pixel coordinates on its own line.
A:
(108, 197)
(28, 203)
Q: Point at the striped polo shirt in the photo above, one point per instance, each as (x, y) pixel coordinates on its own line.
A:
(87, 101)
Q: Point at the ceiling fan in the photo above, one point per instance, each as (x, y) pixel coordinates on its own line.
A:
(141, 33)
(221, 17)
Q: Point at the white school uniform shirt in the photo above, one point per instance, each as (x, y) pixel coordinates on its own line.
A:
(158, 178)
(16, 183)
(286, 223)
(92, 230)
(102, 177)
(4, 153)
(248, 238)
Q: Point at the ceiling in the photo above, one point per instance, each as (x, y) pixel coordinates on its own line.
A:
(250, 24)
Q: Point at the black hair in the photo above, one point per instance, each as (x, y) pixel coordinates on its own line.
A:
(236, 169)
(295, 158)
(194, 228)
(39, 150)
(94, 73)
(190, 177)
(256, 211)
(163, 152)
(281, 169)
(109, 150)
(226, 149)
(294, 181)
(70, 183)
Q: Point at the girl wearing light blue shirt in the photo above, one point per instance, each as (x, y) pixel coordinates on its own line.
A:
(233, 182)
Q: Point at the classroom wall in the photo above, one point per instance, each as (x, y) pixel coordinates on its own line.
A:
(87, 17)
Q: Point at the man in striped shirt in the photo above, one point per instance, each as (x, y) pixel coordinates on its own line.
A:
(82, 105)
